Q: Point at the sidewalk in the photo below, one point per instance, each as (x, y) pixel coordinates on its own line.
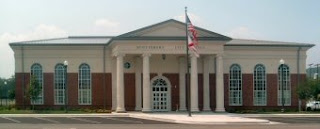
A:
(199, 118)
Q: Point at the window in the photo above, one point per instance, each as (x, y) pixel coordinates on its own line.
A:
(36, 71)
(84, 95)
(59, 84)
(235, 86)
(284, 81)
(259, 91)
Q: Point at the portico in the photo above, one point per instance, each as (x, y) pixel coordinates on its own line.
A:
(209, 55)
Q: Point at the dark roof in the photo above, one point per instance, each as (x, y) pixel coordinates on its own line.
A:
(252, 42)
(71, 40)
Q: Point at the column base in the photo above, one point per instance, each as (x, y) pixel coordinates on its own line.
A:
(195, 110)
(207, 109)
(138, 109)
(220, 110)
(120, 110)
(146, 110)
(182, 109)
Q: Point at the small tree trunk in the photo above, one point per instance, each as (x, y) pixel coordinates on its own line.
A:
(33, 105)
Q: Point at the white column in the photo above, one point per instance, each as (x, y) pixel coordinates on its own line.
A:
(182, 82)
(146, 84)
(206, 89)
(194, 84)
(120, 85)
(114, 84)
(138, 83)
(219, 84)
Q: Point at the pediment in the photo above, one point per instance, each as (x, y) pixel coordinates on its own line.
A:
(169, 28)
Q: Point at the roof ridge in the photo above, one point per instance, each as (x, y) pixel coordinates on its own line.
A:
(76, 36)
(38, 40)
(261, 40)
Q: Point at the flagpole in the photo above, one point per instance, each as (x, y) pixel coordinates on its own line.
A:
(187, 78)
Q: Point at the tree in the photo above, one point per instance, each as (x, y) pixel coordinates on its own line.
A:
(316, 90)
(12, 94)
(33, 90)
(309, 89)
(304, 90)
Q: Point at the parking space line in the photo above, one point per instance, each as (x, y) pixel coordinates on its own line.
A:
(45, 119)
(10, 119)
(115, 119)
(84, 120)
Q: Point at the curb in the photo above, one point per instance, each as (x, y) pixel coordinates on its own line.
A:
(280, 115)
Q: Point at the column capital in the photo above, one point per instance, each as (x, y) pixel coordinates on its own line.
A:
(219, 55)
(119, 54)
(146, 55)
(192, 55)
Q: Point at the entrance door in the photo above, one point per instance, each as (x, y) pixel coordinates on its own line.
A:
(160, 94)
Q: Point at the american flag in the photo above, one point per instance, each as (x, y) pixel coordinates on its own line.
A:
(192, 37)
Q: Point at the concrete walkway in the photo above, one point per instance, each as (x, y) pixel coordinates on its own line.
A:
(199, 118)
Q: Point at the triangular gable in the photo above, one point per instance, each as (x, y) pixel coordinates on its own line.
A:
(170, 28)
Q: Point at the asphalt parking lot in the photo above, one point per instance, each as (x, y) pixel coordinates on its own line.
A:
(78, 120)
(293, 120)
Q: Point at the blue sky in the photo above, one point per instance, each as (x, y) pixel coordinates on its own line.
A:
(283, 20)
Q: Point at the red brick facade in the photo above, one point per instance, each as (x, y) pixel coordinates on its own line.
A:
(98, 95)
(272, 98)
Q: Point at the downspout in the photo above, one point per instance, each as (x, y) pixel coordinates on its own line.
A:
(298, 72)
(23, 77)
(104, 77)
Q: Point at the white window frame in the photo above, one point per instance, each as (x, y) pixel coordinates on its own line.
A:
(84, 94)
(235, 91)
(287, 82)
(36, 70)
(259, 86)
(59, 84)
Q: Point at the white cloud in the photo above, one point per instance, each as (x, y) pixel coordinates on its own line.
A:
(243, 32)
(41, 31)
(106, 23)
(195, 19)
(106, 27)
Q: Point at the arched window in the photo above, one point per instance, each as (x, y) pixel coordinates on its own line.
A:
(284, 84)
(59, 84)
(36, 71)
(84, 95)
(235, 86)
(260, 94)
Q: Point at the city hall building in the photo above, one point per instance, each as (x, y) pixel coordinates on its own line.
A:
(145, 70)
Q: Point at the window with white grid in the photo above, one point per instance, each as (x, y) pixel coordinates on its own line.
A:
(84, 89)
(36, 71)
(284, 82)
(59, 84)
(235, 86)
(260, 93)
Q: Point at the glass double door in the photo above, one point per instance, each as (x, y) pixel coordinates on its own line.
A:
(160, 95)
